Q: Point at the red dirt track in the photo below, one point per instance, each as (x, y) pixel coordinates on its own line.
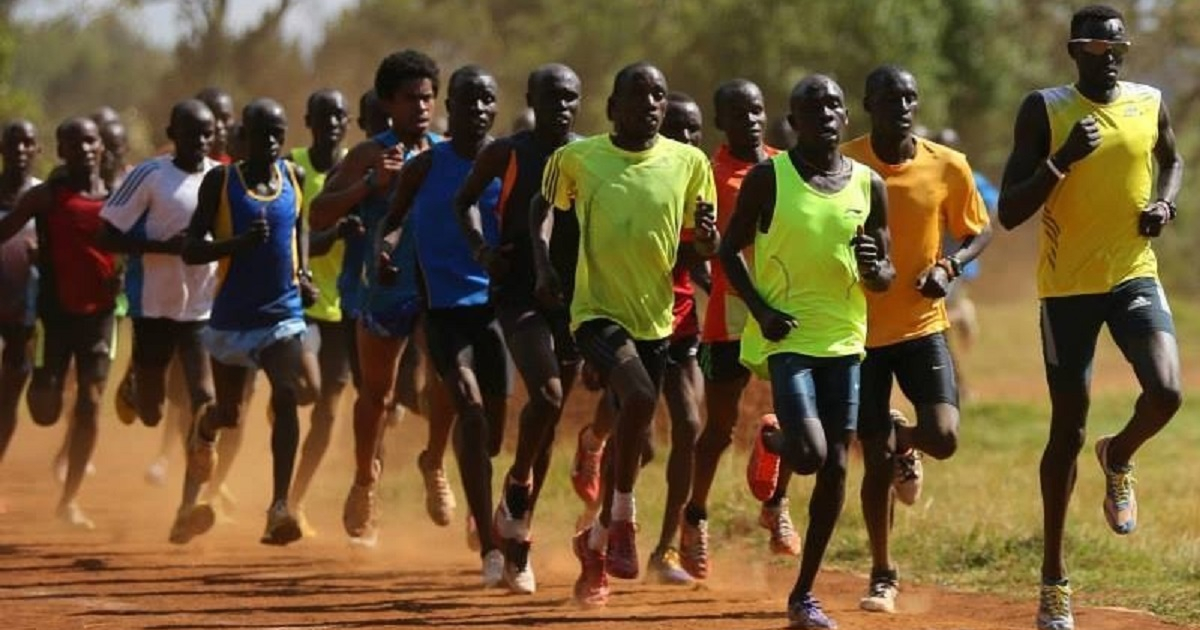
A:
(125, 574)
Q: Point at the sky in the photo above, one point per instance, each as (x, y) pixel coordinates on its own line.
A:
(159, 23)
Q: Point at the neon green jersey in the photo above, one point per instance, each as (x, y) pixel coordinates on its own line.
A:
(326, 267)
(804, 266)
(633, 209)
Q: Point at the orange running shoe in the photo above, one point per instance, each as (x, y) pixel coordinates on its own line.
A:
(762, 473)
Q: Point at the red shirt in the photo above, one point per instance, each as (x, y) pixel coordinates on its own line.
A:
(81, 274)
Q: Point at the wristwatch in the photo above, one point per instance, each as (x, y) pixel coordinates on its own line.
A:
(304, 274)
(1171, 209)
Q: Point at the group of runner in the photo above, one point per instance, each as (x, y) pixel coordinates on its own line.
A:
(414, 265)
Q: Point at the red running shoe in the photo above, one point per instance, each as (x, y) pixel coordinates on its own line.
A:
(585, 471)
(591, 589)
(762, 473)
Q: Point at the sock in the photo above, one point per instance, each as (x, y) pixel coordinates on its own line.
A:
(598, 537)
(695, 514)
(623, 508)
(516, 498)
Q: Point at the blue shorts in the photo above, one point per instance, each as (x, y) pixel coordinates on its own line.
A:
(805, 387)
(392, 323)
(242, 347)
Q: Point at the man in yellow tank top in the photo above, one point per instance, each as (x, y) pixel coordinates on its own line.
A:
(931, 196)
(327, 346)
(818, 223)
(1084, 155)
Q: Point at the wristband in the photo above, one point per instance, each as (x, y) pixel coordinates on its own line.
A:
(304, 274)
(1171, 209)
(1058, 173)
(949, 267)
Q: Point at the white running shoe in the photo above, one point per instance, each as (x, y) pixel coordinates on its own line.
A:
(493, 568)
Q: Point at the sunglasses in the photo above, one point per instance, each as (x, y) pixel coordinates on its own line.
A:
(1099, 47)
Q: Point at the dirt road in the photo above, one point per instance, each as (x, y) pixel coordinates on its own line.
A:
(125, 575)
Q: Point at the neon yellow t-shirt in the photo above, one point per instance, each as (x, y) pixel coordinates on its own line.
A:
(633, 208)
(1089, 241)
(805, 266)
(326, 267)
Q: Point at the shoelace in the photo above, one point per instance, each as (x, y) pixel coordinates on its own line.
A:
(1056, 600)
(880, 587)
(784, 530)
(670, 559)
(812, 607)
(907, 464)
(589, 464)
(1120, 485)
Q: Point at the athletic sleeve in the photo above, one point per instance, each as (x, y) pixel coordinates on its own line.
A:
(558, 181)
(126, 207)
(701, 186)
(964, 209)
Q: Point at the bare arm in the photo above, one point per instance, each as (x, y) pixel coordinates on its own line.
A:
(35, 201)
(489, 165)
(1170, 163)
(754, 211)
(1029, 175)
(198, 250)
(547, 285)
(874, 264)
(412, 176)
(348, 185)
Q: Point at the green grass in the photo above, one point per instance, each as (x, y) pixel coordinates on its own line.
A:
(977, 526)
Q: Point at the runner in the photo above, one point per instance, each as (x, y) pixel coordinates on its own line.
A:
(329, 333)
(407, 84)
(113, 166)
(682, 380)
(639, 195)
(742, 117)
(170, 302)
(1084, 153)
(932, 198)
(18, 274)
(78, 284)
(465, 341)
(808, 335)
(372, 119)
(539, 339)
(252, 211)
(221, 105)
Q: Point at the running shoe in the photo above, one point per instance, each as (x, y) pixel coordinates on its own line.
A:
(126, 399)
(1120, 502)
(591, 589)
(71, 514)
(493, 568)
(622, 556)
(156, 472)
(778, 520)
(665, 568)
(507, 527)
(1054, 607)
(693, 548)
(806, 613)
(360, 514)
(762, 472)
(282, 528)
(585, 471)
(439, 499)
(518, 572)
(882, 592)
(190, 522)
(906, 467)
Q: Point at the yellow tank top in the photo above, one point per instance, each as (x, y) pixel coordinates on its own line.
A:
(1089, 241)
(804, 266)
(326, 267)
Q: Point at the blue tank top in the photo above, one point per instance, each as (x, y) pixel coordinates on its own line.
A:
(359, 275)
(452, 277)
(257, 286)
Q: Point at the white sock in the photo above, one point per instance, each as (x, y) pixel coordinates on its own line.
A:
(623, 508)
(598, 537)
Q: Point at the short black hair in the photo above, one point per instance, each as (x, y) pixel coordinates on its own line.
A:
(878, 77)
(319, 95)
(1093, 13)
(682, 98)
(624, 75)
(404, 66)
(469, 71)
(726, 90)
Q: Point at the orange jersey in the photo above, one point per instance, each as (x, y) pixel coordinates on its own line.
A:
(726, 313)
(929, 195)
